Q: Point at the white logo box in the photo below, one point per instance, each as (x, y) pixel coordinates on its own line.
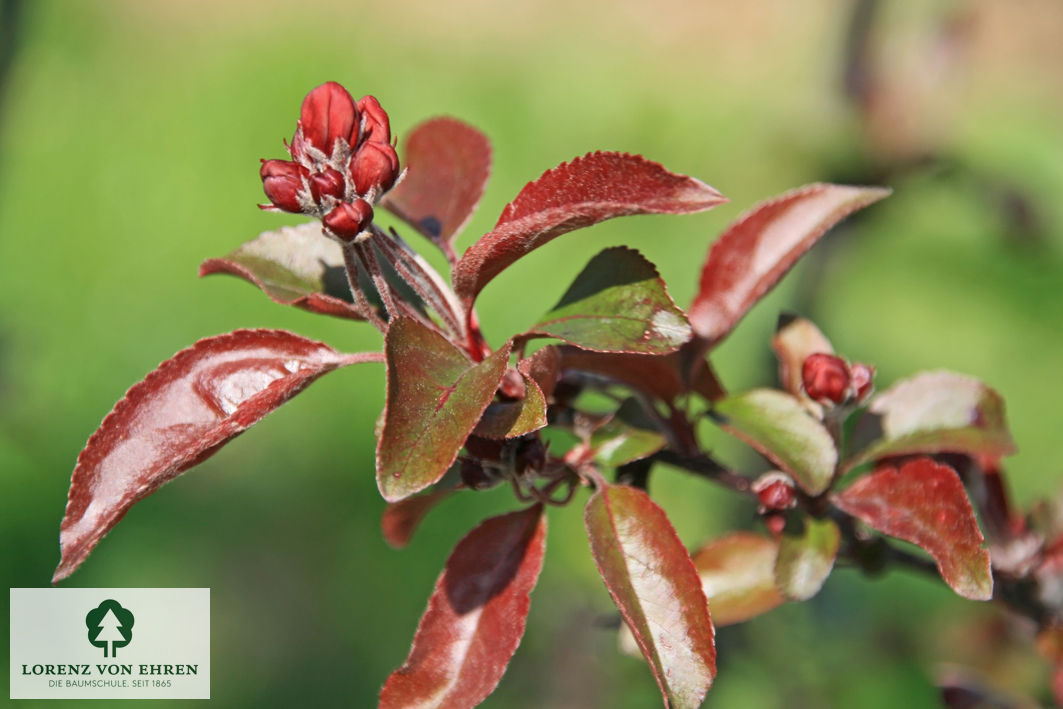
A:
(110, 643)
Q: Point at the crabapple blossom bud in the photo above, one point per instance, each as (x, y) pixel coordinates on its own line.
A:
(281, 181)
(775, 491)
(377, 127)
(862, 379)
(328, 113)
(327, 182)
(476, 476)
(348, 220)
(375, 165)
(825, 378)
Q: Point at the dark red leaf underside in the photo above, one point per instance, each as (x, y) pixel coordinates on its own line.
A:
(923, 502)
(655, 375)
(738, 576)
(758, 249)
(475, 617)
(448, 163)
(294, 266)
(401, 519)
(654, 584)
(178, 416)
(573, 195)
(435, 397)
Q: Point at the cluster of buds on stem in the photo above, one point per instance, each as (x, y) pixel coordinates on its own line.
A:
(342, 162)
(830, 380)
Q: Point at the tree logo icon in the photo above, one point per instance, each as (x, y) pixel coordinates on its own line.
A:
(111, 625)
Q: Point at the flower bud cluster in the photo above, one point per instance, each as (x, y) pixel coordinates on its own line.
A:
(831, 380)
(342, 162)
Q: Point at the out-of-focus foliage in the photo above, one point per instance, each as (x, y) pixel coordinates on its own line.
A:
(130, 135)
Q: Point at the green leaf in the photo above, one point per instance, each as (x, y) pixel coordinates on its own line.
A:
(509, 419)
(629, 435)
(777, 425)
(738, 576)
(938, 412)
(435, 397)
(618, 303)
(805, 562)
(654, 584)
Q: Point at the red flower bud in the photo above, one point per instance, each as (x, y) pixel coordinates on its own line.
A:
(775, 491)
(825, 378)
(863, 378)
(349, 220)
(281, 181)
(377, 126)
(327, 182)
(375, 165)
(328, 113)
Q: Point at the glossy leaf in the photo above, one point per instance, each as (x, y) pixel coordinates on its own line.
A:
(758, 249)
(939, 412)
(573, 195)
(924, 503)
(804, 562)
(448, 163)
(475, 617)
(654, 584)
(401, 519)
(777, 425)
(738, 576)
(655, 375)
(618, 303)
(435, 397)
(294, 266)
(795, 339)
(180, 415)
(628, 436)
(509, 419)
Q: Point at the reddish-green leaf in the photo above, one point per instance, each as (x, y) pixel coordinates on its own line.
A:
(401, 519)
(573, 195)
(448, 163)
(618, 303)
(796, 339)
(777, 425)
(294, 266)
(654, 584)
(628, 436)
(924, 503)
(939, 412)
(435, 397)
(544, 367)
(758, 249)
(178, 416)
(804, 562)
(509, 419)
(655, 375)
(475, 617)
(738, 576)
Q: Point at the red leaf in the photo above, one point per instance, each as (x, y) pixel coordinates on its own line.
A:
(577, 194)
(924, 503)
(448, 164)
(509, 419)
(738, 576)
(544, 367)
(475, 617)
(758, 249)
(654, 584)
(657, 375)
(435, 397)
(401, 519)
(179, 416)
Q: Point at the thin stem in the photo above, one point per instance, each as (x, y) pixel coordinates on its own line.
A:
(705, 467)
(422, 278)
(365, 308)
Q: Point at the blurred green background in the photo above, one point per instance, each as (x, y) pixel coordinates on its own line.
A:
(130, 134)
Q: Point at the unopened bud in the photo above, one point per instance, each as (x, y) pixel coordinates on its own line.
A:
(328, 182)
(281, 181)
(375, 165)
(530, 455)
(825, 378)
(475, 476)
(377, 127)
(328, 113)
(348, 220)
(862, 379)
(775, 491)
